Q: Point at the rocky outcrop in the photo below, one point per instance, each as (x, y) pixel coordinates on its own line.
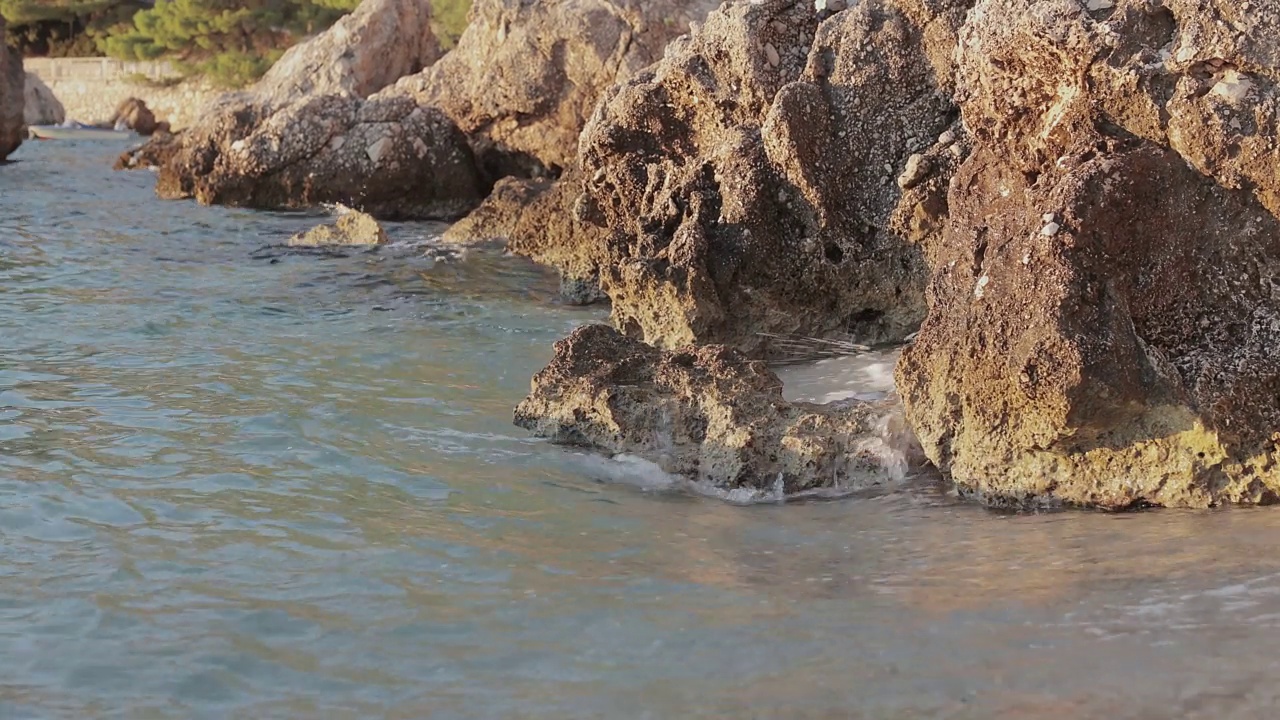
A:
(351, 228)
(12, 82)
(305, 134)
(386, 156)
(524, 77)
(782, 171)
(133, 114)
(1106, 307)
(40, 106)
(154, 153)
(535, 219)
(710, 414)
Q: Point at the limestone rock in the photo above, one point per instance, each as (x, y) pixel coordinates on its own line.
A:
(525, 76)
(12, 99)
(134, 115)
(351, 228)
(387, 155)
(743, 192)
(152, 154)
(711, 414)
(380, 42)
(535, 219)
(40, 106)
(306, 135)
(1104, 318)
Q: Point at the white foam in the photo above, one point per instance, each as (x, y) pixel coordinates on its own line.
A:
(865, 376)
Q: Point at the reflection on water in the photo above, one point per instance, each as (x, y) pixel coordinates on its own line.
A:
(234, 487)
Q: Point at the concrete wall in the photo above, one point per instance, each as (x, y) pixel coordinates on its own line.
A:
(91, 88)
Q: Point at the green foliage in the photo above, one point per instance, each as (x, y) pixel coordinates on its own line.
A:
(64, 27)
(450, 19)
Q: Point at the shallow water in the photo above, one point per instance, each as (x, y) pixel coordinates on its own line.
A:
(254, 485)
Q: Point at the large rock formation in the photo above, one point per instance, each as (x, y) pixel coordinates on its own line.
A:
(781, 172)
(710, 414)
(305, 134)
(12, 99)
(524, 77)
(1105, 315)
(133, 114)
(40, 105)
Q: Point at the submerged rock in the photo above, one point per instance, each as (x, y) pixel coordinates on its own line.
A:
(745, 186)
(40, 106)
(524, 77)
(711, 414)
(1105, 315)
(306, 135)
(12, 98)
(351, 228)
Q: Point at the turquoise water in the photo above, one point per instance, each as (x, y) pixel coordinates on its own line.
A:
(238, 483)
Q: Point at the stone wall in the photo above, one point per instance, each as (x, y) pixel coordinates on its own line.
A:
(91, 88)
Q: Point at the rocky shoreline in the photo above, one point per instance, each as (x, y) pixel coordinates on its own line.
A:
(1075, 203)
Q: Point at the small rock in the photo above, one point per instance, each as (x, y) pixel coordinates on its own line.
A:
(771, 54)
(916, 170)
(1050, 229)
(352, 228)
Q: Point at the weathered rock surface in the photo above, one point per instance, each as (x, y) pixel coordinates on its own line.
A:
(12, 98)
(387, 156)
(133, 114)
(154, 153)
(778, 173)
(351, 228)
(40, 106)
(1104, 320)
(711, 414)
(525, 76)
(305, 134)
(535, 219)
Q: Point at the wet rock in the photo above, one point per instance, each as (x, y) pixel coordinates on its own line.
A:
(351, 228)
(12, 101)
(742, 193)
(387, 155)
(535, 219)
(306, 135)
(711, 414)
(154, 153)
(133, 114)
(1104, 318)
(40, 106)
(524, 77)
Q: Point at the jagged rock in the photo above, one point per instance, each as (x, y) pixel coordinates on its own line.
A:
(351, 228)
(154, 153)
(525, 76)
(12, 99)
(534, 218)
(40, 106)
(711, 414)
(1106, 307)
(748, 181)
(134, 115)
(387, 155)
(305, 134)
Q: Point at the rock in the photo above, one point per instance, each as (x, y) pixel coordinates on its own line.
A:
(305, 134)
(386, 155)
(1106, 307)
(40, 106)
(535, 219)
(525, 76)
(12, 100)
(740, 197)
(351, 228)
(711, 414)
(380, 42)
(134, 115)
(152, 154)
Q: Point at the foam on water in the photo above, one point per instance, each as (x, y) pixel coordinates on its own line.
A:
(864, 376)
